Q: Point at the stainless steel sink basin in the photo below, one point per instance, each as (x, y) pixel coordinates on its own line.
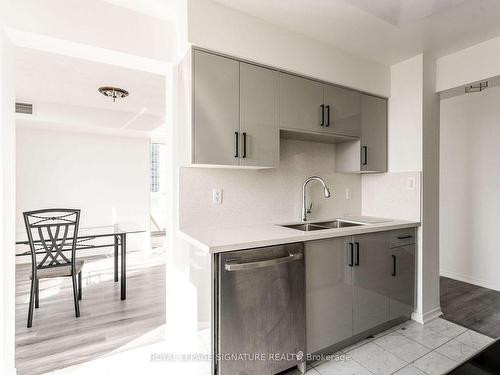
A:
(331, 224)
(337, 224)
(305, 227)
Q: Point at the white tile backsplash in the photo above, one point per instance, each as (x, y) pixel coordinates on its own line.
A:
(391, 195)
(271, 195)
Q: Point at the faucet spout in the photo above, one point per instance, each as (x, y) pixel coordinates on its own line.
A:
(326, 192)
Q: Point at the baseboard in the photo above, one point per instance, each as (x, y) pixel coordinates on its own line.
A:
(470, 279)
(428, 316)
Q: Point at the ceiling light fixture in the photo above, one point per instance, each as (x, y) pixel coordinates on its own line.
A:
(476, 88)
(113, 92)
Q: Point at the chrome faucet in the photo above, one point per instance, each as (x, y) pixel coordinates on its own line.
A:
(326, 192)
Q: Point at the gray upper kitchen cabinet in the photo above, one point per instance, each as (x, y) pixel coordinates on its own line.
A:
(259, 116)
(373, 134)
(301, 103)
(342, 110)
(329, 294)
(370, 276)
(369, 153)
(235, 113)
(216, 109)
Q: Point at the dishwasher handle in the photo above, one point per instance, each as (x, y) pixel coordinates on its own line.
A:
(234, 266)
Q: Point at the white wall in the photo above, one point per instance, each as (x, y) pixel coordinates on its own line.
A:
(476, 63)
(269, 196)
(405, 116)
(106, 176)
(213, 26)
(7, 206)
(470, 185)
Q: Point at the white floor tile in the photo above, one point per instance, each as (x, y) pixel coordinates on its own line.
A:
(445, 328)
(401, 346)
(434, 364)
(310, 371)
(456, 351)
(357, 345)
(343, 367)
(424, 336)
(474, 339)
(410, 370)
(376, 359)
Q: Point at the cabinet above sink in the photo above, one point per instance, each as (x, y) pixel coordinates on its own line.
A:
(233, 112)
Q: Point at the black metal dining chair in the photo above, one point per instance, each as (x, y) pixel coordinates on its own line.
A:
(52, 235)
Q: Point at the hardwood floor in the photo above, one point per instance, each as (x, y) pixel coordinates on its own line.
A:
(471, 306)
(107, 324)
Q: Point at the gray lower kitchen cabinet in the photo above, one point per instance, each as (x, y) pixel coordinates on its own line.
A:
(301, 103)
(373, 134)
(328, 293)
(216, 109)
(370, 280)
(402, 281)
(259, 116)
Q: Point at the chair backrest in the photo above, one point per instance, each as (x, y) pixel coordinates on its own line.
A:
(52, 235)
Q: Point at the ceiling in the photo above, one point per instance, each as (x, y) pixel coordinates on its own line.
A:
(385, 31)
(146, 28)
(70, 85)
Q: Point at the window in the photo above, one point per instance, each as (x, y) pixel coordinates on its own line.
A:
(155, 167)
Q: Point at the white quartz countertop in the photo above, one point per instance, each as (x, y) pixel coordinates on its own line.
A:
(221, 239)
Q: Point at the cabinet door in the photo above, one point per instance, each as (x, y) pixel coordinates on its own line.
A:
(370, 277)
(373, 134)
(259, 106)
(342, 111)
(216, 109)
(301, 101)
(402, 284)
(328, 293)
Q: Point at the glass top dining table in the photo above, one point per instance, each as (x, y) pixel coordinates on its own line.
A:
(118, 232)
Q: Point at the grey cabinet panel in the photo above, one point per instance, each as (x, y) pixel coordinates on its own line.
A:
(216, 109)
(300, 103)
(328, 293)
(259, 116)
(373, 134)
(344, 108)
(370, 276)
(402, 282)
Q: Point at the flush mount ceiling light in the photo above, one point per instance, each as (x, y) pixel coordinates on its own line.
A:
(113, 92)
(476, 88)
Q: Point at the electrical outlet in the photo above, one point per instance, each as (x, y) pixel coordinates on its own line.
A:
(217, 196)
(410, 185)
(347, 193)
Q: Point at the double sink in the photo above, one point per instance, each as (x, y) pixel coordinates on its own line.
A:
(332, 224)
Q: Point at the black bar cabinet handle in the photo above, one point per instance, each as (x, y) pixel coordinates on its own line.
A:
(322, 107)
(393, 265)
(244, 145)
(327, 115)
(236, 142)
(357, 254)
(351, 259)
(365, 155)
(404, 237)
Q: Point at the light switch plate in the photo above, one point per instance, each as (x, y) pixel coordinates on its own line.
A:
(410, 185)
(347, 193)
(217, 196)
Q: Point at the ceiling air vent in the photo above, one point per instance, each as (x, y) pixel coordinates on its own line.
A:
(25, 108)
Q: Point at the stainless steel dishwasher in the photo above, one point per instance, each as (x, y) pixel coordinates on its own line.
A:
(260, 311)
